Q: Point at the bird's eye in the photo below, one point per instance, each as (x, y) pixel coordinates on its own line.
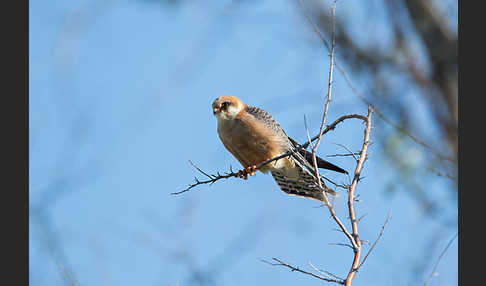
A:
(224, 105)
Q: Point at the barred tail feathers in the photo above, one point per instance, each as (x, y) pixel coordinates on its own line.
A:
(305, 186)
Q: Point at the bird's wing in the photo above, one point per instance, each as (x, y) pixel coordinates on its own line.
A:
(267, 119)
(305, 186)
(321, 163)
(271, 123)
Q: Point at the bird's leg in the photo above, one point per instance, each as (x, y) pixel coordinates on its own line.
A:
(250, 170)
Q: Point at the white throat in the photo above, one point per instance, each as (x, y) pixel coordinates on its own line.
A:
(229, 114)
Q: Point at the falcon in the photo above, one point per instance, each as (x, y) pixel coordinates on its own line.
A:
(253, 136)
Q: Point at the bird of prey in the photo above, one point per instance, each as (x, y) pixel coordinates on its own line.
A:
(253, 136)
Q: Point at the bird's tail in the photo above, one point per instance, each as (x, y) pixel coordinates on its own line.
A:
(305, 186)
(302, 183)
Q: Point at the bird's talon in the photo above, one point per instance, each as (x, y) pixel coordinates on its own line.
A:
(243, 174)
(252, 170)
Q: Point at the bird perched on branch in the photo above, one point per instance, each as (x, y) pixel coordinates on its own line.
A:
(253, 136)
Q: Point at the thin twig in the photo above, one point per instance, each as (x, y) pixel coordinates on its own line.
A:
(329, 85)
(341, 244)
(326, 273)
(213, 178)
(324, 116)
(376, 241)
(350, 152)
(344, 155)
(321, 133)
(218, 176)
(309, 140)
(445, 175)
(433, 273)
(361, 217)
(333, 125)
(293, 268)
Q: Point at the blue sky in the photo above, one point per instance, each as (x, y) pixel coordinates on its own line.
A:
(120, 100)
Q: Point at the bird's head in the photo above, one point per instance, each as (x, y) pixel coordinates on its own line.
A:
(227, 107)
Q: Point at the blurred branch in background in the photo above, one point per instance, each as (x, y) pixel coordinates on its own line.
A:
(52, 244)
(73, 30)
(225, 257)
(432, 75)
(72, 170)
(66, 181)
(231, 253)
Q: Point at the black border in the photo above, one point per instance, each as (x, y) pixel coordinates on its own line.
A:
(15, 142)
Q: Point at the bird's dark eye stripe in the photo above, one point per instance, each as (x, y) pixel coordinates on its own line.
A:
(225, 104)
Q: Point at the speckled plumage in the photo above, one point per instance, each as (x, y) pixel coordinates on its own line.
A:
(253, 136)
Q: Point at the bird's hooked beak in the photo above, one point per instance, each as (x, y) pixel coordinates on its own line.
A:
(216, 109)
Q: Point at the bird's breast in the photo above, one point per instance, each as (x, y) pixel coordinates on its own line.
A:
(250, 142)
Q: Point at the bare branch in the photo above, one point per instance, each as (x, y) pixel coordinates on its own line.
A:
(329, 85)
(351, 199)
(376, 241)
(325, 273)
(341, 244)
(354, 237)
(218, 176)
(293, 268)
(361, 217)
(213, 178)
(333, 125)
(344, 155)
(350, 152)
(445, 175)
(309, 140)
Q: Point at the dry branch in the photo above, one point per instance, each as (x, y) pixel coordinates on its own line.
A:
(333, 125)
(376, 241)
(213, 178)
(293, 268)
(351, 199)
(353, 238)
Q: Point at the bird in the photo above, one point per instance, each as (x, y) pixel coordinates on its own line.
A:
(253, 136)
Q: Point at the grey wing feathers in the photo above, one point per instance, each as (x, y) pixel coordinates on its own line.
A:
(306, 185)
(266, 117)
